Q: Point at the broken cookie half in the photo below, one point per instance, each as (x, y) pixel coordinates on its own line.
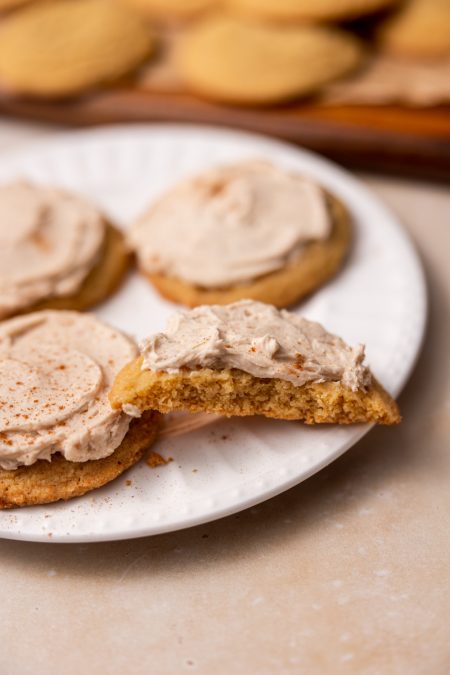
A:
(249, 358)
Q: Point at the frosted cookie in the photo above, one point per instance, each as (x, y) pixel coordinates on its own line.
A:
(307, 10)
(248, 230)
(234, 61)
(59, 437)
(61, 47)
(171, 9)
(420, 28)
(56, 251)
(252, 359)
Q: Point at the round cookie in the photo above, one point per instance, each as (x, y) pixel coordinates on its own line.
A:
(57, 251)
(420, 28)
(59, 436)
(102, 281)
(307, 10)
(171, 9)
(45, 482)
(237, 62)
(58, 48)
(282, 288)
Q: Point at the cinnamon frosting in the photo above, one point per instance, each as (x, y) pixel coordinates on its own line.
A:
(258, 339)
(231, 225)
(49, 242)
(56, 369)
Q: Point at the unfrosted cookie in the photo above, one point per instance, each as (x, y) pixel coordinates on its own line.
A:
(420, 28)
(251, 359)
(307, 10)
(59, 436)
(61, 47)
(235, 61)
(172, 9)
(248, 230)
(56, 251)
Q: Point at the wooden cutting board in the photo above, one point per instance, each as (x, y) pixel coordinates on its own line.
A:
(394, 139)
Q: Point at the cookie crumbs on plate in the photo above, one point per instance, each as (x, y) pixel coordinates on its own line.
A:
(154, 459)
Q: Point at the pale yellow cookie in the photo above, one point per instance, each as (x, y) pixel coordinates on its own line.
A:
(57, 48)
(307, 10)
(319, 261)
(44, 482)
(234, 61)
(420, 28)
(172, 9)
(233, 392)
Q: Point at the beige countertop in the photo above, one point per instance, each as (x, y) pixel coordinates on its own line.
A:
(348, 572)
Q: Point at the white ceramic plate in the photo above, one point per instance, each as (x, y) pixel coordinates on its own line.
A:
(378, 299)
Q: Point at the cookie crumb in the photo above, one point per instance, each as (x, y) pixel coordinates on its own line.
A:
(154, 459)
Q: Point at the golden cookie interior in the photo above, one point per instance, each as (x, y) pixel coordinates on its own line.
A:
(249, 358)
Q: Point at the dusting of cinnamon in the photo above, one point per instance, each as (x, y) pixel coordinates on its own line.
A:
(299, 361)
(214, 188)
(40, 241)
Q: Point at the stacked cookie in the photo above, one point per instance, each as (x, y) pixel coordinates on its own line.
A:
(80, 403)
(241, 52)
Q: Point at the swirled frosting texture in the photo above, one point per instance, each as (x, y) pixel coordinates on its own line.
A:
(258, 339)
(49, 242)
(56, 369)
(231, 225)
